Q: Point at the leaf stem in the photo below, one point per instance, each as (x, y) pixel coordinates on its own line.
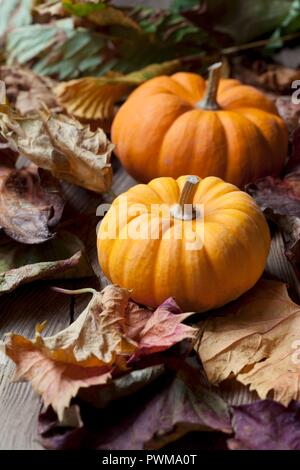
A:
(260, 43)
(86, 290)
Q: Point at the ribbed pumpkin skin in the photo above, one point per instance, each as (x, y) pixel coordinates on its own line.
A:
(160, 132)
(234, 253)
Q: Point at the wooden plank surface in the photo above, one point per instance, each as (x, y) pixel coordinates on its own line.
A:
(21, 310)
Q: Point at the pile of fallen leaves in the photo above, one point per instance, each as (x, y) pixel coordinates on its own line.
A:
(122, 376)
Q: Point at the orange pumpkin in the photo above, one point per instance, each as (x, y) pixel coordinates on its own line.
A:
(176, 125)
(203, 258)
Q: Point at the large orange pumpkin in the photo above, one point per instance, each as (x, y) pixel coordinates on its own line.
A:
(203, 259)
(176, 125)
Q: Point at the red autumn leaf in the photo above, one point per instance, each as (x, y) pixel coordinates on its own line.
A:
(56, 381)
(161, 330)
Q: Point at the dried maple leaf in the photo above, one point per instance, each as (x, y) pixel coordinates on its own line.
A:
(266, 425)
(93, 98)
(157, 331)
(57, 382)
(60, 144)
(90, 349)
(256, 340)
(31, 204)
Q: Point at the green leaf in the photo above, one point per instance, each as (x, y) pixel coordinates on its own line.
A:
(62, 257)
(289, 25)
(57, 49)
(180, 5)
(14, 13)
(247, 20)
(83, 9)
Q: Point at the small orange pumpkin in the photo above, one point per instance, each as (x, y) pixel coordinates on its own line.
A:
(176, 125)
(203, 258)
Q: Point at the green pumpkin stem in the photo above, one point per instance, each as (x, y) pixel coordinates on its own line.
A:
(209, 100)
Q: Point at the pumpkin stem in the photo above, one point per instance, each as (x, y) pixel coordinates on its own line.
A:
(209, 100)
(184, 210)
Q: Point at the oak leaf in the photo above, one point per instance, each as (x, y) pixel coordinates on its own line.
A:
(255, 340)
(93, 347)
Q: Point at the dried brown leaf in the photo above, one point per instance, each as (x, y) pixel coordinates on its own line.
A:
(272, 77)
(31, 204)
(61, 257)
(256, 340)
(27, 91)
(70, 150)
(289, 111)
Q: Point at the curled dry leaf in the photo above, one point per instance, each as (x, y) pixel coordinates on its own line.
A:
(69, 150)
(60, 258)
(27, 91)
(94, 98)
(266, 425)
(256, 340)
(272, 77)
(31, 204)
(161, 412)
(97, 344)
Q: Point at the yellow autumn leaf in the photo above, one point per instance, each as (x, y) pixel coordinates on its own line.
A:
(255, 340)
(94, 98)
